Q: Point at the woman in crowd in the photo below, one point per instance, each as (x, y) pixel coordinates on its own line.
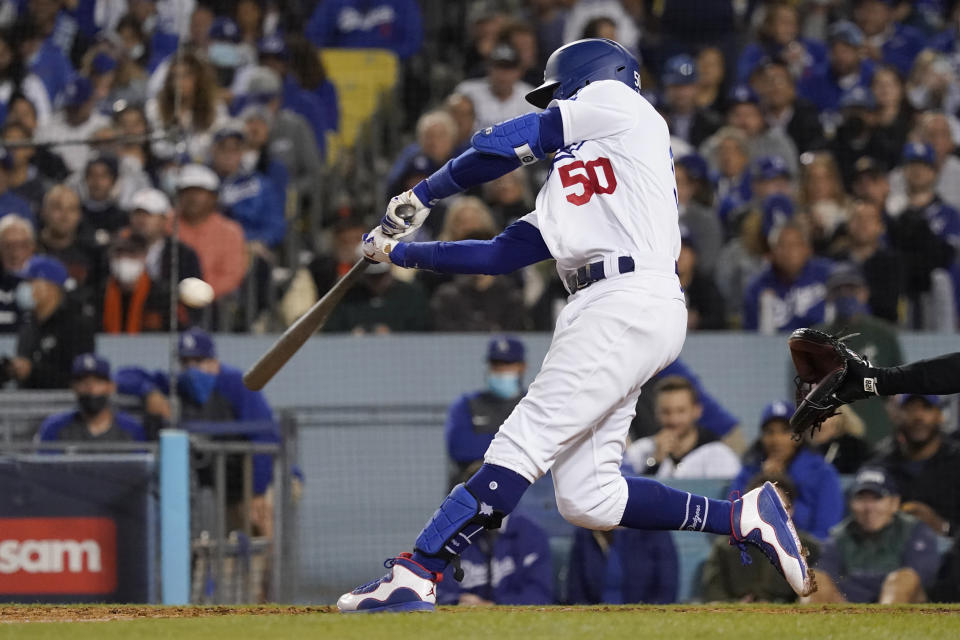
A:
(823, 197)
(200, 111)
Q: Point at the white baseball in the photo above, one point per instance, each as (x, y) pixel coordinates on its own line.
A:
(195, 292)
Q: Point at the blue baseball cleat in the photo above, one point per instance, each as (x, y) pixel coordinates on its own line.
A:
(760, 518)
(407, 587)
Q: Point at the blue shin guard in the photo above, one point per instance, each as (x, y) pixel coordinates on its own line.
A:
(481, 503)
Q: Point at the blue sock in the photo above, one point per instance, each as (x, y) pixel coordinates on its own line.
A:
(496, 486)
(652, 505)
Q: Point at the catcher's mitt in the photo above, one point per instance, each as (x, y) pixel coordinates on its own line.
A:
(828, 375)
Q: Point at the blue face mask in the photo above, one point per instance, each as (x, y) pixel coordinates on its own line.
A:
(24, 296)
(196, 384)
(504, 385)
(224, 54)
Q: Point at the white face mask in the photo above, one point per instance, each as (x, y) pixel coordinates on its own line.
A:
(126, 270)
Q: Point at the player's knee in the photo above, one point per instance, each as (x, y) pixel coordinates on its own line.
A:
(599, 510)
(596, 518)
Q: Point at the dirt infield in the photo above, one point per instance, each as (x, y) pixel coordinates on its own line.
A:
(104, 613)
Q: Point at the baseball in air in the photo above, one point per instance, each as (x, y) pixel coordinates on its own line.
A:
(195, 292)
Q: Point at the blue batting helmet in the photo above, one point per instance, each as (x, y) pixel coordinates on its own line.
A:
(575, 65)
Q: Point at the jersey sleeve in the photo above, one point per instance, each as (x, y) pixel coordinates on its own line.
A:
(599, 110)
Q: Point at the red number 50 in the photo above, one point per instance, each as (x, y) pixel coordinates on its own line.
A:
(587, 179)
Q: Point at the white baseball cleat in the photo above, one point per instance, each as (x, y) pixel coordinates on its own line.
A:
(760, 518)
(408, 586)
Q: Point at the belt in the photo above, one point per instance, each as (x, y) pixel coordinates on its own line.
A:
(594, 272)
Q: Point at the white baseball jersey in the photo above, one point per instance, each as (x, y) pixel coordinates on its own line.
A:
(610, 193)
(709, 460)
(611, 190)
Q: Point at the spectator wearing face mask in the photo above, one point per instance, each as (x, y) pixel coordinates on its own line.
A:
(848, 312)
(94, 420)
(247, 196)
(131, 301)
(55, 332)
(213, 391)
(474, 417)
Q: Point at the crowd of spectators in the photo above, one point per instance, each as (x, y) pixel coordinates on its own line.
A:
(879, 517)
(808, 136)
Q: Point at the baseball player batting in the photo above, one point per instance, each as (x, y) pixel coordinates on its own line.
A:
(608, 215)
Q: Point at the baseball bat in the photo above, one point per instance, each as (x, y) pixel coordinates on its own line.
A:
(267, 366)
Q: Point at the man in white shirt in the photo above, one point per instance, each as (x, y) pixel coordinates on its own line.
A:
(77, 121)
(681, 449)
(500, 95)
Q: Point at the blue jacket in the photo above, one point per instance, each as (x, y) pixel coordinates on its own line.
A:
(648, 571)
(803, 301)
(819, 503)
(12, 203)
(308, 105)
(252, 200)
(464, 445)
(367, 24)
(902, 48)
(944, 221)
(739, 194)
(246, 405)
(715, 418)
(824, 91)
(518, 571)
(50, 429)
(756, 52)
(326, 93)
(53, 69)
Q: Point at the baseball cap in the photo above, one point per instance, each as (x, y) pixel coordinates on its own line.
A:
(274, 46)
(846, 32)
(102, 63)
(90, 364)
(779, 410)
(679, 70)
(77, 91)
(845, 274)
(505, 349)
(695, 165)
(196, 343)
(918, 152)
(504, 55)
(776, 209)
(45, 268)
(262, 82)
(932, 400)
(197, 175)
(231, 129)
(875, 480)
(153, 201)
(867, 165)
(224, 29)
(743, 94)
(858, 97)
(770, 167)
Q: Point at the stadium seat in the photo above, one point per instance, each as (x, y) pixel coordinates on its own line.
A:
(361, 77)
